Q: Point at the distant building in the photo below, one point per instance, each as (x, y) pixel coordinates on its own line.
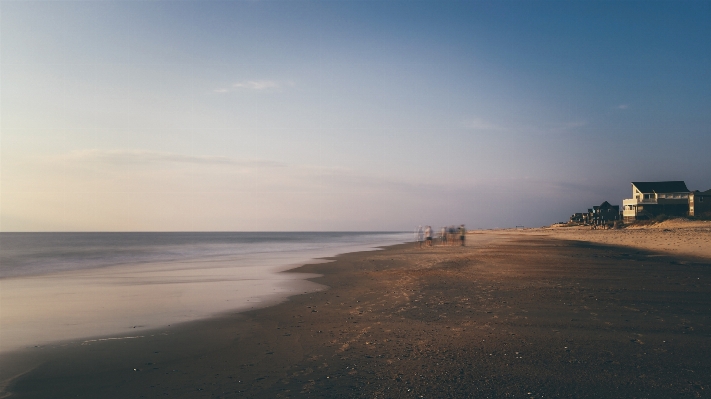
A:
(700, 203)
(650, 199)
(577, 218)
(605, 213)
(597, 215)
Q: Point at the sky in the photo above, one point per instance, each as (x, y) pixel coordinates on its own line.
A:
(344, 115)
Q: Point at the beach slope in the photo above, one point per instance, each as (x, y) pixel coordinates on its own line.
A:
(513, 314)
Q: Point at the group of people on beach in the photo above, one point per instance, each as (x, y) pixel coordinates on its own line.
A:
(424, 235)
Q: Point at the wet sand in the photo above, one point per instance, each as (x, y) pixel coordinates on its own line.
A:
(512, 315)
(129, 300)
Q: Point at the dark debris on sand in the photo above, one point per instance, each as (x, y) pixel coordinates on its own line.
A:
(528, 318)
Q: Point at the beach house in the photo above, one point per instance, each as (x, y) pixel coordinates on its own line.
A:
(700, 203)
(650, 199)
(605, 213)
(597, 215)
(577, 218)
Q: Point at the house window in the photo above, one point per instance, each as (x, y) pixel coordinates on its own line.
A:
(701, 199)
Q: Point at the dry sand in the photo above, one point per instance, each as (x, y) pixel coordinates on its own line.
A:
(515, 314)
(675, 236)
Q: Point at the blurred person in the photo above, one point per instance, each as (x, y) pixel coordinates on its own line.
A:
(462, 234)
(419, 235)
(428, 235)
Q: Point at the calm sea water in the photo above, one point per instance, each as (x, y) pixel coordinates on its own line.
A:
(23, 254)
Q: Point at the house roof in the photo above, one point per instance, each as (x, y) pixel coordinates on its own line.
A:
(661, 187)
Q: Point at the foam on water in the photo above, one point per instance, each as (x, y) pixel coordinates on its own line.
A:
(41, 253)
(74, 286)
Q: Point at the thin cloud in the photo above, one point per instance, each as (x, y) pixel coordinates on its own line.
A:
(568, 126)
(254, 85)
(623, 106)
(479, 124)
(482, 125)
(147, 156)
(257, 85)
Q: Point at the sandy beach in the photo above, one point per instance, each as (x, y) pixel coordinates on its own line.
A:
(532, 313)
(252, 199)
(214, 274)
(674, 236)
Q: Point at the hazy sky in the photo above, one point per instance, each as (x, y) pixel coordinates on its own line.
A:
(344, 115)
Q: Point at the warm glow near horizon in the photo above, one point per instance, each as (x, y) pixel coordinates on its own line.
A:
(241, 116)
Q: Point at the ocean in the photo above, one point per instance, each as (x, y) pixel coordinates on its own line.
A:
(23, 254)
(59, 287)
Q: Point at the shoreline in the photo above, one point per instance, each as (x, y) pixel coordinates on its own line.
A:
(507, 311)
(130, 299)
(294, 283)
(31, 357)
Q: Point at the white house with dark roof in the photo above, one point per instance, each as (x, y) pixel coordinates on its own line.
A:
(650, 199)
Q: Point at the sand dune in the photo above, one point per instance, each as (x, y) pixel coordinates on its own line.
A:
(675, 236)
